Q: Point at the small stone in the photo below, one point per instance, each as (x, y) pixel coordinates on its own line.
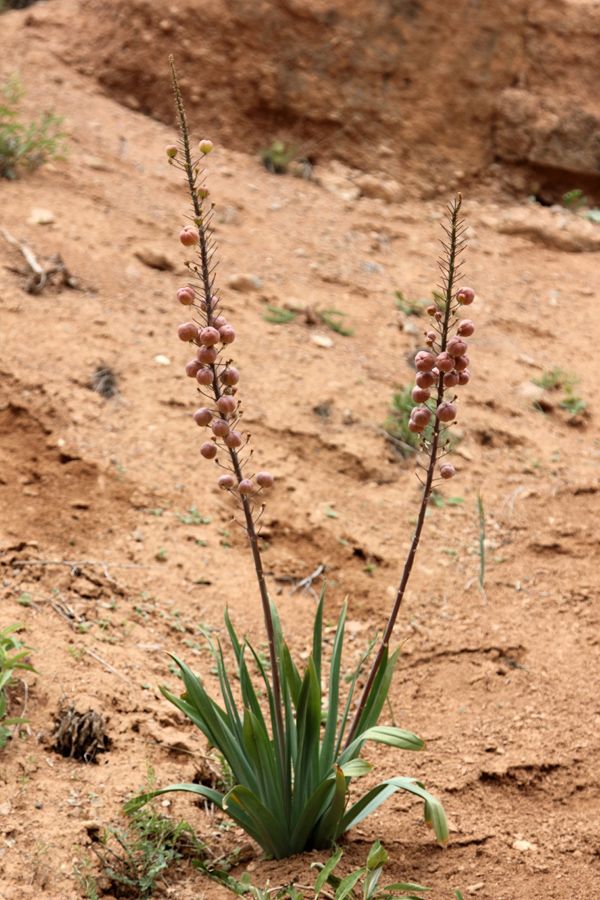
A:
(41, 217)
(533, 393)
(162, 360)
(524, 846)
(154, 256)
(94, 162)
(244, 283)
(473, 888)
(410, 328)
(137, 536)
(321, 340)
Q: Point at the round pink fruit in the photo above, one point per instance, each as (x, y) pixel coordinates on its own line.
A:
(245, 486)
(431, 310)
(445, 362)
(425, 379)
(226, 482)
(464, 377)
(420, 395)
(447, 470)
(465, 328)
(202, 416)
(456, 346)
(220, 428)
(189, 236)
(230, 376)
(171, 150)
(466, 295)
(192, 368)
(209, 336)
(451, 379)
(416, 429)
(204, 377)
(226, 404)
(206, 355)
(233, 440)
(264, 479)
(424, 361)
(219, 321)
(208, 450)
(188, 331)
(227, 333)
(186, 295)
(446, 412)
(461, 363)
(421, 416)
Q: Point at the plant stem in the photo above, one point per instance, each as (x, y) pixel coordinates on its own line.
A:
(450, 271)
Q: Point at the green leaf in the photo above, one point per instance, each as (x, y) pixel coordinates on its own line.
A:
(273, 837)
(326, 870)
(292, 675)
(308, 724)
(262, 758)
(377, 856)
(383, 734)
(405, 886)
(369, 802)
(356, 768)
(329, 736)
(354, 679)
(305, 825)
(331, 816)
(318, 634)
(347, 883)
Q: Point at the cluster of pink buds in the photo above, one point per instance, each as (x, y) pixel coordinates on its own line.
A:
(211, 334)
(442, 368)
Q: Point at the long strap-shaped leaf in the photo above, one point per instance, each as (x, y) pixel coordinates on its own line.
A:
(332, 815)
(308, 724)
(262, 758)
(273, 837)
(383, 734)
(357, 672)
(313, 809)
(326, 759)
(318, 634)
(434, 811)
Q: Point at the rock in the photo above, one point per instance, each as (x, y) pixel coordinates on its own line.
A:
(244, 283)
(162, 360)
(321, 340)
(533, 393)
(94, 162)
(41, 217)
(554, 228)
(410, 328)
(337, 179)
(473, 888)
(524, 846)
(153, 255)
(377, 188)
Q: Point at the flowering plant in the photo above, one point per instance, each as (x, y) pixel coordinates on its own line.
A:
(292, 775)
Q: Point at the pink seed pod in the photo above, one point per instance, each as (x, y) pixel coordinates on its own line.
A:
(447, 470)
(192, 368)
(203, 192)
(219, 321)
(230, 376)
(421, 415)
(431, 337)
(465, 328)
(438, 315)
(456, 346)
(446, 412)
(264, 479)
(445, 362)
(451, 379)
(209, 336)
(416, 429)
(420, 395)
(171, 150)
(186, 295)
(464, 377)
(233, 440)
(189, 236)
(226, 482)
(466, 295)
(206, 355)
(227, 333)
(226, 404)
(202, 416)
(424, 379)
(188, 331)
(461, 363)
(424, 361)
(204, 377)
(220, 428)
(245, 486)
(205, 146)
(431, 310)
(208, 450)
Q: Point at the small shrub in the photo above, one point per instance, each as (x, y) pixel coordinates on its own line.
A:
(26, 146)
(8, 665)
(277, 157)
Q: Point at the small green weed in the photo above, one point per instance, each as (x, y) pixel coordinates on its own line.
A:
(8, 665)
(571, 403)
(557, 379)
(574, 200)
(409, 307)
(331, 318)
(193, 517)
(278, 316)
(277, 157)
(26, 146)
(396, 424)
(371, 872)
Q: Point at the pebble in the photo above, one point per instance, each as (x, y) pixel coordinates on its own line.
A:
(322, 340)
(523, 846)
(155, 257)
(377, 188)
(162, 360)
(533, 393)
(244, 283)
(41, 217)
(473, 888)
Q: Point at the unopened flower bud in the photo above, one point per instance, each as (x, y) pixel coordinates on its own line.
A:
(447, 470)
(245, 486)
(205, 146)
(451, 379)
(220, 428)
(227, 333)
(226, 404)
(466, 295)
(456, 346)
(203, 192)
(464, 377)
(202, 416)
(461, 363)
(264, 479)
(208, 450)
(209, 336)
(465, 328)
(204, 377)
(206, 355)
(431, 310)
(226, 482)
(186, 295)
(171, 150)
(189, 237)
(187, 332)
(445, 362)
(431, 336)
(219, 321)
(230, 376)
(424, 361)
(438, 315)
(192, 368)
(446, 412)
(233, 440)
(420, 395)
(421, 415)
(425, 379)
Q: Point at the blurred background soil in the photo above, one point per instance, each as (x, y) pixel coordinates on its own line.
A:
(389, 109)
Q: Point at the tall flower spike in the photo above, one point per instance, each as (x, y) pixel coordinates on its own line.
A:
(218, 380)
(438, 410)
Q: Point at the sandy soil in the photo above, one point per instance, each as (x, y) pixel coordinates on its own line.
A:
(503, 687)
